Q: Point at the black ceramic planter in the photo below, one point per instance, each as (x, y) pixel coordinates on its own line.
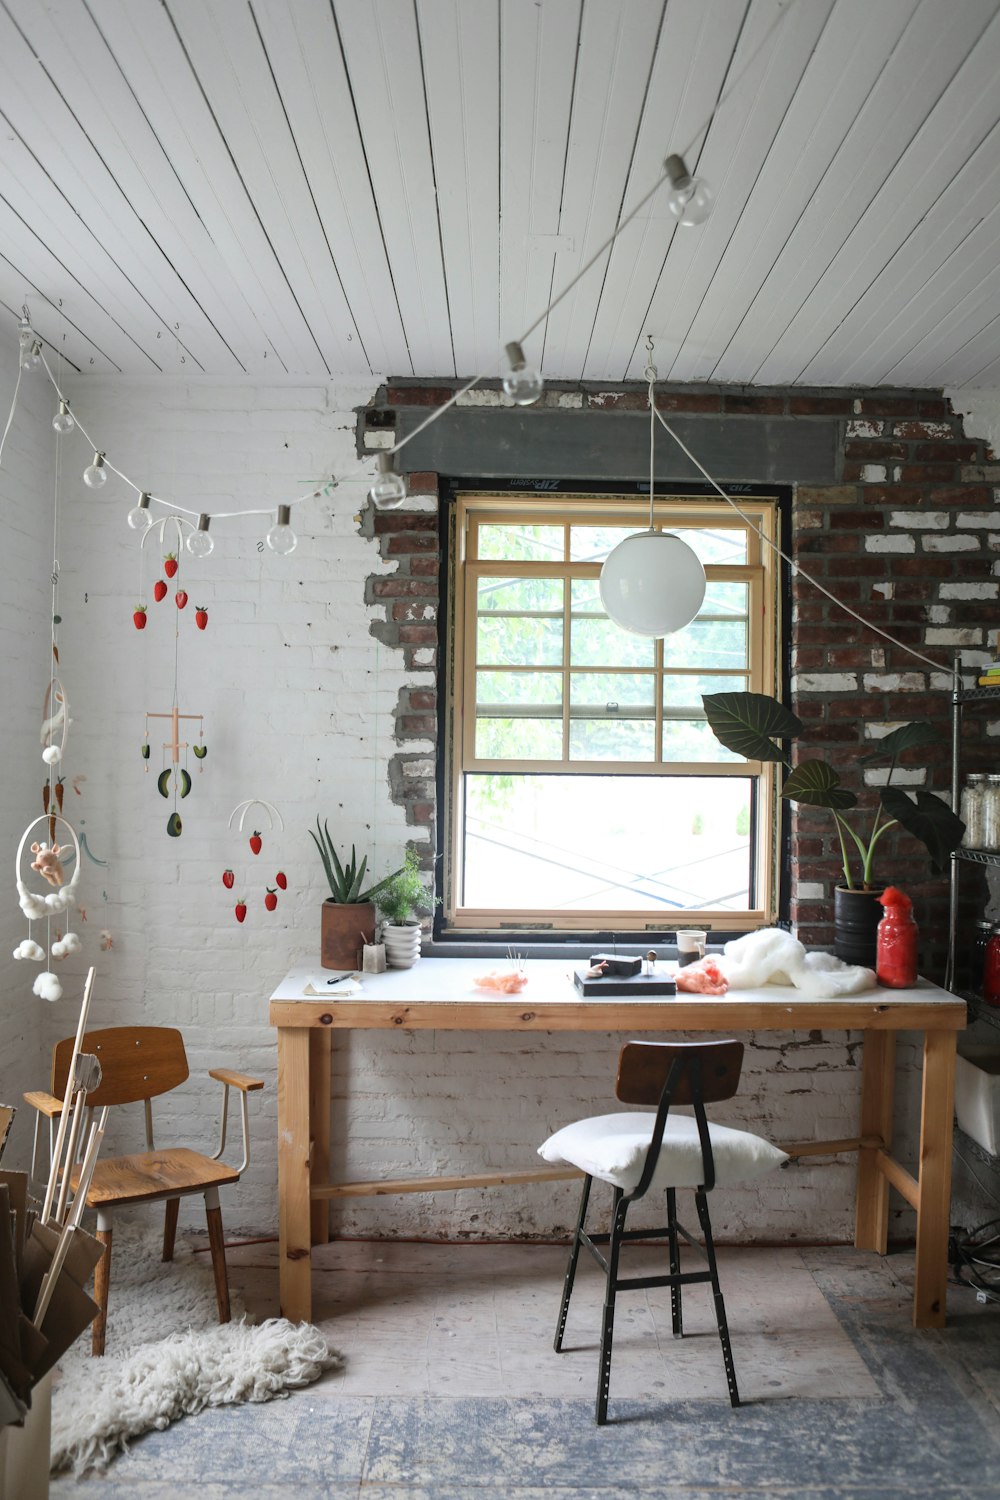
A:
(856, 915)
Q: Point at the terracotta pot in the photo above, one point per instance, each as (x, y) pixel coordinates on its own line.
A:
(856, 915)
(344, 930)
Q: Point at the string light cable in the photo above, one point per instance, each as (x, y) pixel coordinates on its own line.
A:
(685, 190)
(974, 1255)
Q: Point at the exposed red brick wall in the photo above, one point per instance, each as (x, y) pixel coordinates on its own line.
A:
(909, 536)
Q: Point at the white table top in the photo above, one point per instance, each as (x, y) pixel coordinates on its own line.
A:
(550, 980)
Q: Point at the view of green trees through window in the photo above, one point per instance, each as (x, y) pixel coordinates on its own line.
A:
(587, 759)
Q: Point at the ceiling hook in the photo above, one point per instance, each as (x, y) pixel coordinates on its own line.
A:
(650, 371)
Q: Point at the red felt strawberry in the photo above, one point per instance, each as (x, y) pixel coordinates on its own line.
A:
(271, 898)
(241, 910)
(255, 842)
(227, 879)
(200, 616)
(170, 565)
(159, 590)
(181, 598)
(281, 879)
(139, 617)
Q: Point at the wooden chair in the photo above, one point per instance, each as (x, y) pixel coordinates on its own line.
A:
(635, 1152)
(139, 1063)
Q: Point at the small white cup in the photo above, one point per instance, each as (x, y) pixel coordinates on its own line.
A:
(690, 945)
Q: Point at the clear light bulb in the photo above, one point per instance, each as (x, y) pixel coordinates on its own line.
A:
(690, 198)
(389, 489)
(31, 355)
(201, 541)
(281, 538)
(138, 517)
(96, 474)
(63, 419)
(521, 383)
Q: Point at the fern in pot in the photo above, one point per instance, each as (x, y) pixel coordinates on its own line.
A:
(754, 725)
(348, 913)
(397, 902)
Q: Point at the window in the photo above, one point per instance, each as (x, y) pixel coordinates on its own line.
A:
(584, 789)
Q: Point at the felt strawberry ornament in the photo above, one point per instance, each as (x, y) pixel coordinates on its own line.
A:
(228, 879)
(139, 617)
(170, 565)
(159, 590)
(255, 842)
(241, 910)
(181, 598)
(271, 898)
(200, 616)
(281, 880)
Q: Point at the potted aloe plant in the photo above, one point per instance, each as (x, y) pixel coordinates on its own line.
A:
(397, 902)
(348, 913)
(753, 725)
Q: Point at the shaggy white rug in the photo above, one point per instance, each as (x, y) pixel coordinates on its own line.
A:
(140, 1385)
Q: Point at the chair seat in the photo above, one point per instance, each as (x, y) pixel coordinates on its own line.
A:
(613, 1148)
(154, 1174)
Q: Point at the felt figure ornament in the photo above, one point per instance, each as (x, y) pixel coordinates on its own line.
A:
(237, 821)
(48, 863)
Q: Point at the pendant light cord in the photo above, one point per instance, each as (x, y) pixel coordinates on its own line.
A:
(795, 567)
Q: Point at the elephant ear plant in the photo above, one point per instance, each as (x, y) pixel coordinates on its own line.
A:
(753, 724)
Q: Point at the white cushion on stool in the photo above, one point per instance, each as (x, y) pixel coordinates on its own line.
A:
(613, 1148)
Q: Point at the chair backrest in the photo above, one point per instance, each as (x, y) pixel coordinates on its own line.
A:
(709, 1070)
(137, 1062)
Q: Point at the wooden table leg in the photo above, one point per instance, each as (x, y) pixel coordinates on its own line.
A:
(934, 1212)
(294, 1265)
(878, 1077)
(320, 1070)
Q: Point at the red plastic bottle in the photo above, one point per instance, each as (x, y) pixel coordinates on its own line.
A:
(896, 953)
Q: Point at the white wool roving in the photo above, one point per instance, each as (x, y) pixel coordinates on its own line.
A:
(69, 943)
(28, 948)
(772, 956)
(94, 1418)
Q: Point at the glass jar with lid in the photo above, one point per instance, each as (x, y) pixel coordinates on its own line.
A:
(972, 810)
(991, 814)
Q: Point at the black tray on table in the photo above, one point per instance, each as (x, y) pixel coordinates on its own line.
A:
(636, 986)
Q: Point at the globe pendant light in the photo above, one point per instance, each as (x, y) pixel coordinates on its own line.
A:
(652, 583)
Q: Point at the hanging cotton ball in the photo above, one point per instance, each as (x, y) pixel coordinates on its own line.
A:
(52, 755)
(65, 945)
(29, 949)
(47, 987)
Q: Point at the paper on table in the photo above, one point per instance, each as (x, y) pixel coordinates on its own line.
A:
(340, 986)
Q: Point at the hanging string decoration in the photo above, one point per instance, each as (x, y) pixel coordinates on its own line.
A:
(49, 863)
(175, 776)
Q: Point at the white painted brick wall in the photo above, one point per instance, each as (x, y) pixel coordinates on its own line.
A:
(26, 499)
(298, 701)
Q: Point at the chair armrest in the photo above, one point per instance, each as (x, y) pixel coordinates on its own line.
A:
(46, 1104)
(240, 1081)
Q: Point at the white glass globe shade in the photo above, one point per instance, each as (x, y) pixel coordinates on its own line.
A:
(282, 539)
(200, 543)
(389, 490)
(95, 476)
(652, 583)
(139, 518)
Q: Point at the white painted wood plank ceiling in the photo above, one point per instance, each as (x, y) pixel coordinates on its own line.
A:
(324, 189)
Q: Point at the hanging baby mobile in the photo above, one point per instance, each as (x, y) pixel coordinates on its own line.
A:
(48, 861)
(174, 777)
(171, 567)
(238, 818)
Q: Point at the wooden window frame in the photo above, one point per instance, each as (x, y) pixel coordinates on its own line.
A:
(680, 512)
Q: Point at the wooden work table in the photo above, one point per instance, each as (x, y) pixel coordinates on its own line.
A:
(438, 994)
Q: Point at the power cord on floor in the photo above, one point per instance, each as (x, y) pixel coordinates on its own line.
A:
(974, 1255)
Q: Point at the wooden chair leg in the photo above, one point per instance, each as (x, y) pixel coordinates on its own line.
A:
(102, 1281)
(170, 1227)
(216, 1240)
